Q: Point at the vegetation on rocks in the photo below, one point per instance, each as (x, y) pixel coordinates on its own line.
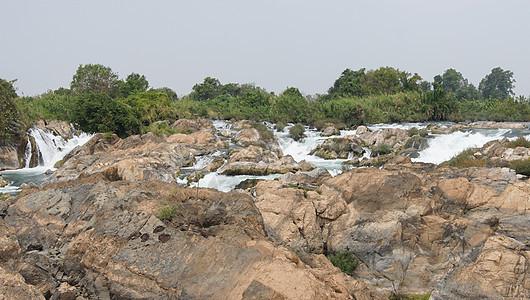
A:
(345, 261)
(297, 132)
(167, 211)
(519, 142)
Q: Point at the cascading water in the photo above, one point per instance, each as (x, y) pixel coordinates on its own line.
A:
(49, 149)
(444, 146)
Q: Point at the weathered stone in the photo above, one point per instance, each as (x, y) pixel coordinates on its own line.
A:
(190, 126)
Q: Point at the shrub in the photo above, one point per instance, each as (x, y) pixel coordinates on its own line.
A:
(520, 142)
(465, 160)
(112, 174)
(381, 150)
(345, 261)
(280, 126)
(409, 297)
(413, 131)
(521, 166)
(160, 128)
(264, 132)
(297, 132)
(167, 211)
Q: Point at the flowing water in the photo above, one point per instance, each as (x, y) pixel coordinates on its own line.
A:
(49, 149)
(441, 148)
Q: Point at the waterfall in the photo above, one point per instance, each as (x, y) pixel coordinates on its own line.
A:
(50, 148)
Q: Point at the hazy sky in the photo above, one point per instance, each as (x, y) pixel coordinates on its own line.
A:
(275, 43)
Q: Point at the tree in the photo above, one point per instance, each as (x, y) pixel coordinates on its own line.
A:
(171, 94)
(348, 84)
(208, 89)
(498, 84)
(94, 78)
(9, 114)
(98, 112)
(134, 83)
(453, 82)
(291, 106)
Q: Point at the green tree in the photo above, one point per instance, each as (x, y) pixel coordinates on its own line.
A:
(171, 94)
(291, 106)
(498, 84)
(208, 89)
(150, 106)
(10, 127)
(349, 84)
(453, 82)
(94, 78)
(98, 112)
(438, 104)
(134, 83)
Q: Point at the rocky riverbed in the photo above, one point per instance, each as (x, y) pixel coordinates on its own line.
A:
(112, 223)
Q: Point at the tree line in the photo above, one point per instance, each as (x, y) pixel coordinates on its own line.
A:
(97, 100)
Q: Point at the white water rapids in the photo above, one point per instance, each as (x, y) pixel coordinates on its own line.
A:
(49, 149)
(441, 148)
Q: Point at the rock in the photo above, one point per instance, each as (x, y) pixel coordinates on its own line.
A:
(496, 125)
(9, 246)
(64, 292)
(499, 272)
(410, 225)
(311, 178)
(226, 133)
(13, 286)
(255, 160)
(329, 131)
(241, 125)
(9, 158)
(3, 182)
(361, 130)
(393, 137)
(137, 157)
(190, 126)
(105, 239)
(335, 148)
(246, 137)
(61, 128)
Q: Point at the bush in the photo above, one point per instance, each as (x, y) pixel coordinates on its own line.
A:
(280, 126)
(521, 166)
(381, 150)
(345, 261)
(465, 160)
(160, 128)
(520, 142)
(264, 132)
(297, 132)
(167, 211)
(99, 113)
(409, 297)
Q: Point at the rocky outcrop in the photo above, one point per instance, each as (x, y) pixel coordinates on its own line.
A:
(59, 128)
(190, 126)
(496, 125)
(413, 227)
(138, 157)
(98, 239)
(340, 148)
(255, 160)
(393, 137)
(330, 130)
(10, 158)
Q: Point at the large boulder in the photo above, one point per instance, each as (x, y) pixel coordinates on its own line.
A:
(103, 239)
(138, 157)
(412, 226)
(393, 137)
(256, 160)
(189, 126)
(340, 148)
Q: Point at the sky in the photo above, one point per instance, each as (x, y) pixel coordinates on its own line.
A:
(274, 43)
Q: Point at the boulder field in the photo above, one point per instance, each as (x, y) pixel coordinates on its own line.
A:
(111, 223)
